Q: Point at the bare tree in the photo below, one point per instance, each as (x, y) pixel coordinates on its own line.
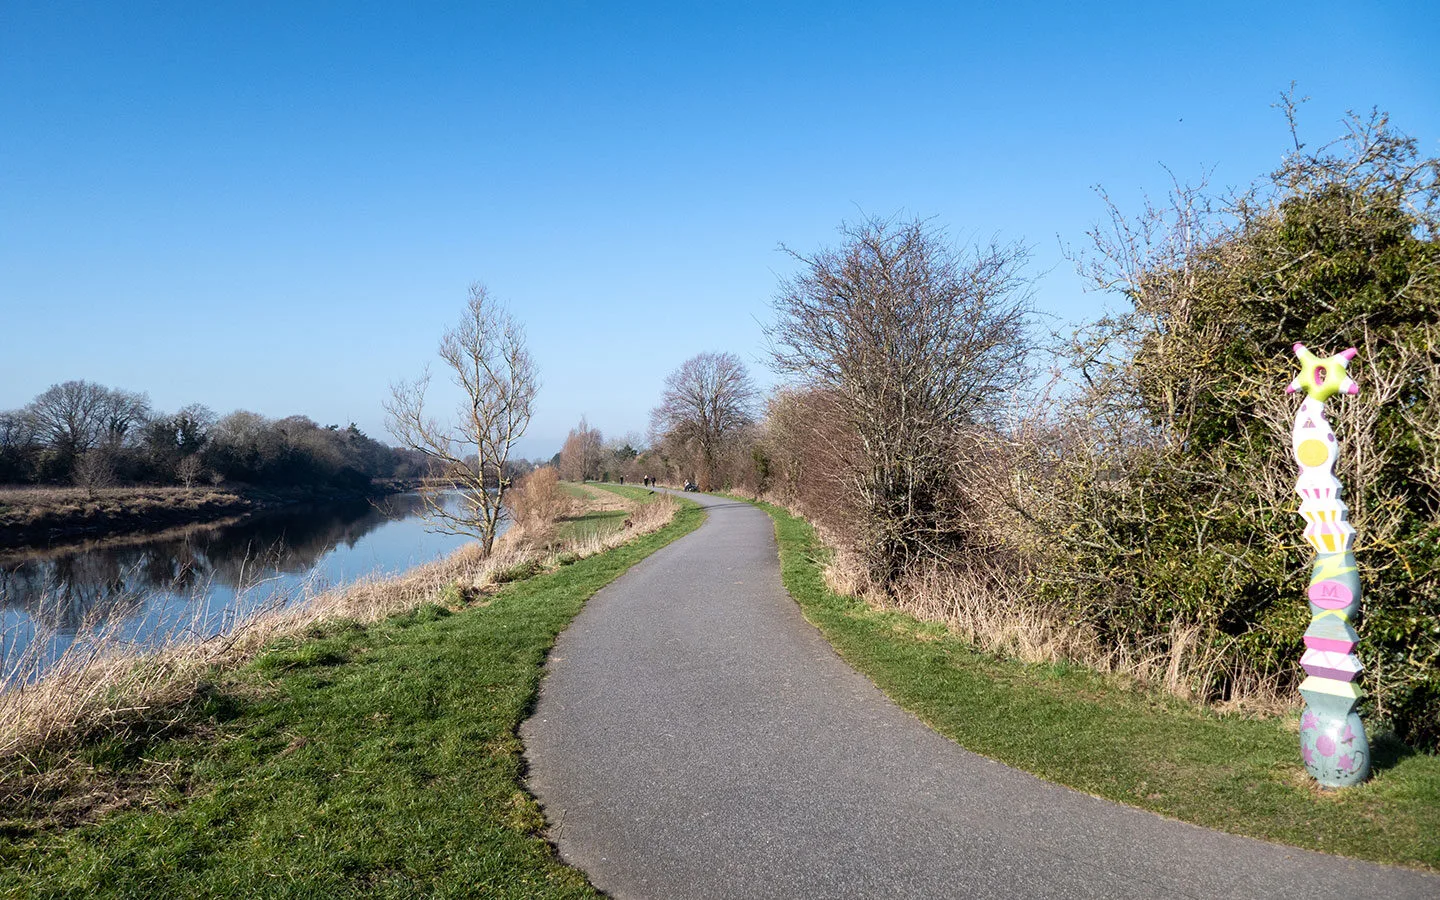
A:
(120, 415)
(68, 417)
(580, 457)
(486, 354)
(707, 402)
(94, 471)
(911, 342)
(189, 470)
(17, 444)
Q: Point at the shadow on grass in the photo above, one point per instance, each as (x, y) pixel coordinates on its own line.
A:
(1387, 751)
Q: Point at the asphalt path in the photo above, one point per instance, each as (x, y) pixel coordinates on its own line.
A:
(696, 737)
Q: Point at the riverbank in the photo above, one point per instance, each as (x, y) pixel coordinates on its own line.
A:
(373, 752)
(41, 517)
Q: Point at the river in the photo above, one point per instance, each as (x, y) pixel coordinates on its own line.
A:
(198, 580)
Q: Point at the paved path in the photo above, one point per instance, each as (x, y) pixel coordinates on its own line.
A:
(695, 737)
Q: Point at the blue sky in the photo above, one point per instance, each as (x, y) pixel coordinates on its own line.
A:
(279, 206)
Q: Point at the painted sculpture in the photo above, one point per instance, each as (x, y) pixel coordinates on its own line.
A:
(1332, 738)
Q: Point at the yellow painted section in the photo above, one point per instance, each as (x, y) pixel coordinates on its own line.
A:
(1312, 453)
(1326, 569)
(1330, 686)
(1337, 613)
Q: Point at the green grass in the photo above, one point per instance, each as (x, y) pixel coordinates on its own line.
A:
(575, 490)
(1109, 739)
(628, 491)
(600, 521)
(377, 761)
(593, 523)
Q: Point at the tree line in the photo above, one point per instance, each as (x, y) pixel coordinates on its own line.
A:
(88, 434)
(702, 431)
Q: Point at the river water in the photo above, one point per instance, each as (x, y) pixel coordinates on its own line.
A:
(196, 581)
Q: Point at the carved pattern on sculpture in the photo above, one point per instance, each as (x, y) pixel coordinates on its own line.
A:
(1332, 738)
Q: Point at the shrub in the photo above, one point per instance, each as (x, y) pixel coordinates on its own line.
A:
(536, 503)
(1171, 496)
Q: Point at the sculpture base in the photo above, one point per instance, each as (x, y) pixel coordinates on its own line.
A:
(1334, 748)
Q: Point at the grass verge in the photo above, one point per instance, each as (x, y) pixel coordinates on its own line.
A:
(1099, 735)
(596, 523)
(378, 760)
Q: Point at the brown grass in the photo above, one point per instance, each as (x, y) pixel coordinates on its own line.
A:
(537, 502)
(103, 685)
(20, 506)
(995, 608)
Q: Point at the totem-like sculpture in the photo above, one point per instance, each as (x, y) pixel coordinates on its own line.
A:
(1332, 739)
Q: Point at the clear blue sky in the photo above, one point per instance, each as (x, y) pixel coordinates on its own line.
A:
(278, 206)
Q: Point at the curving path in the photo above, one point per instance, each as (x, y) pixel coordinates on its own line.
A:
(696, 737)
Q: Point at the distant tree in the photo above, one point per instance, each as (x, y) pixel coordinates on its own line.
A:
(189, 470)
(168, 440)
(192, 426)
(582, 454)
(94, 470)
(241, 446)
(707, 402)
(75, 416)
(120, 415)
(486, 353)
(17, 446)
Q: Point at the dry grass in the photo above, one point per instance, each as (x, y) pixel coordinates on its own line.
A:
(26, 505)
(598, 499)
(995, 608)
(103, 685)
(537, 502)
(1000, 616)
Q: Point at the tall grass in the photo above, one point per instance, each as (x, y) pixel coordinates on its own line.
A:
(998, 609)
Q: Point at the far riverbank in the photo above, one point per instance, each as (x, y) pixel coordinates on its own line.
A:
(40, 517)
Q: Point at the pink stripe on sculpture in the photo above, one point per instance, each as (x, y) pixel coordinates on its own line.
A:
(1330, 645)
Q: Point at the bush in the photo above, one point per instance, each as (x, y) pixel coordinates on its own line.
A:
(536, 503)
(1171, 497)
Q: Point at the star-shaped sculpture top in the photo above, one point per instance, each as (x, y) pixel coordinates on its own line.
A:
(1323, 378)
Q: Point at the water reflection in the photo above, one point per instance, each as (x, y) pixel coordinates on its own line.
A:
(203, 577)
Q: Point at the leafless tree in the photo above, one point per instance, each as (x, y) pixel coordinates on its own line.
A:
(17, 431)
(121, 415)
(189, 470)
(94, 471)
(580, 457)
(487, 356)
(914, 344)
(707, 402)
(77, 415)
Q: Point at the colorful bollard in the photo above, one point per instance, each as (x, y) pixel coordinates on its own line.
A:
(1332, 738)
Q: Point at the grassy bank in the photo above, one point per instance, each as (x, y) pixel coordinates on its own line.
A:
(379, 760)
(1103, 736)
(37, 516)
(41, 516)
(600, 517)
